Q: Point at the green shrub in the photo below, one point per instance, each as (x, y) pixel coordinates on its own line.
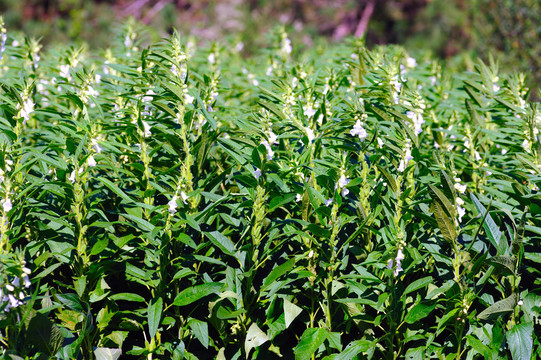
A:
(180, 201)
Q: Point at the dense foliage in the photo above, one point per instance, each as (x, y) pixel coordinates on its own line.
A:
(181, 201)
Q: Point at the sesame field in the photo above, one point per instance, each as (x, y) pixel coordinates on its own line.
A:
(180, 200)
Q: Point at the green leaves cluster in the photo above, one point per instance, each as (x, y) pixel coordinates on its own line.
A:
(179, 201)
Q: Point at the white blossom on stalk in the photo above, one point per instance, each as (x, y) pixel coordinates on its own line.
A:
(459, 187)
(380, 143)
(172, 205)
(26, 109)
(183, 196)
(286, 46)
(406, 158)
(96, 146)
(188, 99)
(72, 177)
(459, 209)
(310, 134)
(298, 198)
(257, 173)
(6, 205)
(65, 72)
(359, 130)
(418, 121)
(411, 62)
(328, 202)
(309, 112)
(211, 58)
(91, 161)
(3, 39)
(273, 138)
(342, 183)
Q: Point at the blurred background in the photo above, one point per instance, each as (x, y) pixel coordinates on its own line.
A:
(510, 30)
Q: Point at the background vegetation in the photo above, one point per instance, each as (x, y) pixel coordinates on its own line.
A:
(509, 30)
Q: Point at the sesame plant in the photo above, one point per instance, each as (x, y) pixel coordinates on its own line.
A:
(180, 201)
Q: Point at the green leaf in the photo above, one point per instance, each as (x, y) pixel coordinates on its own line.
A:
(44, 335)
(277, 272)
(445, 223)
(310, 341)
(291, 311)
(154, 312)
(493, 232)
(499, 308)
(448, 184)
(419, 311)
(504, 262)
(255, 337)
(418, 284)
(115, 189)
(222, 242)
(194, 293)
(439, 197)
(107, 353)
(200, 330)
(520, 341)
(72, 301)
(388, 177)
(353, 349)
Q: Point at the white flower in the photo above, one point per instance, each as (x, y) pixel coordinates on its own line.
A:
(411, 62)
(459, 187)
(418, 121)
(91, 161)
(344, 192)
(310, 134)
(309, 112)
(26, 109)
(96, 146)
(286, 46)
(328, 202)
(433, 80)
(495, 87)
(211, 58)
(147, 128)
(270, 153)
(72, 177)
(273, 138)
(183, 196)
(239, 46)
(298, 198)
(380, 143)
(359, 130)
(398, 269)
(92, 92)
(26, 281)
(343, 181)
(148, 96)
(461, 211)
(257, 173)
(173, 205)
(504, 151)
(65, 71)
(399, 255)
(7, 205)
(405, 160)
(188, 99)
(128, 41)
